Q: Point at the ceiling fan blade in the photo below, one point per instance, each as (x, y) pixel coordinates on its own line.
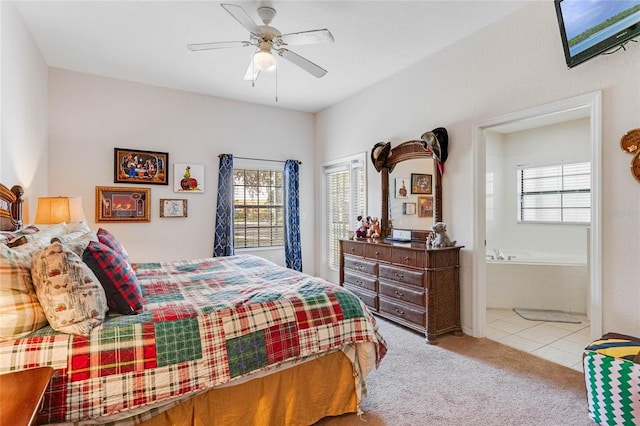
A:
(307, 37)
(241, 16)
(252, 72)
(217, 45)
(303, 63)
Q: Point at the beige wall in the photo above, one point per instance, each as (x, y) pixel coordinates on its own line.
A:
(23, 141)
(513, 65)
(89, 116)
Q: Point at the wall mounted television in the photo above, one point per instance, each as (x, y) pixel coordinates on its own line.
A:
(589, 28)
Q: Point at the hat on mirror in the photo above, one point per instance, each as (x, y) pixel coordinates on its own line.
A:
(438, 142)
(379, 154)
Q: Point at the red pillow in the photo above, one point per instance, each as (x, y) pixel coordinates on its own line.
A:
(116, 276)
(108, 239)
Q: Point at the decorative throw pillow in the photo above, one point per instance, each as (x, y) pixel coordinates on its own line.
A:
(108, 239)
(118, 279)
(20, 310)
(70, 294)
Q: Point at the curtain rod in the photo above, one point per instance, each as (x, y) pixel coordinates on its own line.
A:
(259, 159)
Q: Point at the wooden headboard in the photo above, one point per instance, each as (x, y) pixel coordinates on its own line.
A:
(11, 207)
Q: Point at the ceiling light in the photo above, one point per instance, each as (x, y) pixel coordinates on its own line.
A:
(264, 60)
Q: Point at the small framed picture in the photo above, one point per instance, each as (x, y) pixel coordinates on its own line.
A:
(136, 166)
(188, 177)
(421, 184)
(173, 208)
(408, 208)
(425, 206)
(117, 204)
(402, 190)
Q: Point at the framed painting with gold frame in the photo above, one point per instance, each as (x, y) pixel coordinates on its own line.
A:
(425, 206)
(118, 204)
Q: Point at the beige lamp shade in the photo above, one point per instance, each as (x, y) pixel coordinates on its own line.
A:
(53, 210)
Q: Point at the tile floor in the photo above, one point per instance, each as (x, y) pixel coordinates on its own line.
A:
(558, 342)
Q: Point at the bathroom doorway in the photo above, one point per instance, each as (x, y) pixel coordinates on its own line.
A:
(510, 273)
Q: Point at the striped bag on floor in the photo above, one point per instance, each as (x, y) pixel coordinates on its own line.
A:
(612, 379)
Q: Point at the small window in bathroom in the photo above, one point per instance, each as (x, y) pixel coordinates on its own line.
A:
(559, 193)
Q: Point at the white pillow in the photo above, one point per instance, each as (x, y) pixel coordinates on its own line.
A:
(71, 296)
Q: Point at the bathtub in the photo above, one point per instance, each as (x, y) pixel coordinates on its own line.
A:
(537, 281)
(536, 258)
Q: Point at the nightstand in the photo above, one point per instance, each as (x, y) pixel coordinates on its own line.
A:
(21, 395)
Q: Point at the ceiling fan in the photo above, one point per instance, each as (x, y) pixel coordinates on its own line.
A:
(268, 40)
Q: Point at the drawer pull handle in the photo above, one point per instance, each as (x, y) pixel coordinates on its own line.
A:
(353, 249)
(406, 259)
(359, 282)
(359, 266)
(398, 293)
(377, 253)
(399, 276)
(399, 311)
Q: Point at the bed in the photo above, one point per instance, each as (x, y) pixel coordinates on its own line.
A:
(215, 341)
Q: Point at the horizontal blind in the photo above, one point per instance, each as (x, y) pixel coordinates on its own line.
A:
(258, 207)
(555, 193)
(346, 199)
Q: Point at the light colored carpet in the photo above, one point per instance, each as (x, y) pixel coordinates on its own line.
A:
(546, 315)
(466, 381)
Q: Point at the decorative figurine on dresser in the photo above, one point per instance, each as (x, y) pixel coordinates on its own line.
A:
(415, 281)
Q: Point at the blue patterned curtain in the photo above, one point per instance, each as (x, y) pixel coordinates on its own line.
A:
(223, 240)
(292, 246)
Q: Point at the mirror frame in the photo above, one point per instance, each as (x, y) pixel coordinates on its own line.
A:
(408, 151)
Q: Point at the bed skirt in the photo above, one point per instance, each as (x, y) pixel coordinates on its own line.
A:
(299, 395)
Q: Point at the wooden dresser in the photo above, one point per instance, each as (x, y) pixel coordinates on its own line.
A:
(405, 283)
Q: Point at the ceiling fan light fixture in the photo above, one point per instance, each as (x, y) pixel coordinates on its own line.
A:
(264, 60)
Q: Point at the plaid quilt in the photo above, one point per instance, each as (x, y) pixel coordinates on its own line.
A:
(204, 323)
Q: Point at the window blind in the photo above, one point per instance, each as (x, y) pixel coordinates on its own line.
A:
(555, 193)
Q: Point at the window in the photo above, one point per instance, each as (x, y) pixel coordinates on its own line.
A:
(346, 198)
(555, 194)
(258, 208)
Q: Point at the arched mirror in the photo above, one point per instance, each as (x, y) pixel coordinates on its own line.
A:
(411, 184)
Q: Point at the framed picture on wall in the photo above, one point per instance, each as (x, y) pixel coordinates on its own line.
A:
(421, 183)
(408, 208)
(401, 190)
(137, 166)
(118, 204)
(188, 177)
(425, 206)
(173, 208)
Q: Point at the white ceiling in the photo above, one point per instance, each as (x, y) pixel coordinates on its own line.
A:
(145, 41)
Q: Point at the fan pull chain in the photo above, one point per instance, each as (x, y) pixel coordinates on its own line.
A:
(276, 83)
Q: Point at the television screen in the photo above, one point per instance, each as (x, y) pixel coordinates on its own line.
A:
(591, 27)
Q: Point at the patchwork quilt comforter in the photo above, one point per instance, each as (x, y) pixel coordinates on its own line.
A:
(205, 323)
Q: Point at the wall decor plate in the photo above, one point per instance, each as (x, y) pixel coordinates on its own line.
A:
(630, 141)
(635, 166)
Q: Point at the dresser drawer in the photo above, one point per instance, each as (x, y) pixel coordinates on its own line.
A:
(351, 247)
(377, 252)
(367, 283)
(402, 275)
(369, 298)
(360, 265)
(407, 257)
(404, 311)
(402, 293)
